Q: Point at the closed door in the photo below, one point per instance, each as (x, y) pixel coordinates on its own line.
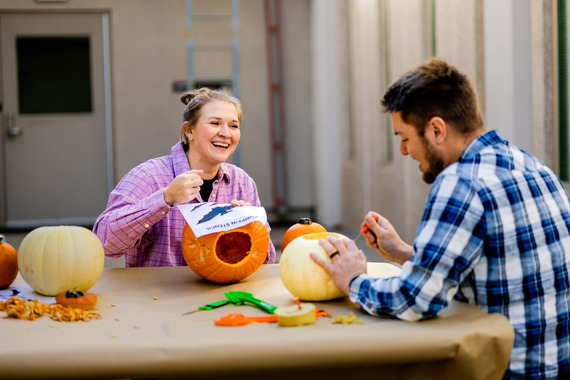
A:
(56, 118)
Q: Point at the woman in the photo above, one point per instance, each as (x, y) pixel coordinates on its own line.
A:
(140, 220)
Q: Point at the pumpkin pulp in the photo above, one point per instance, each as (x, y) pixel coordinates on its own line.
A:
(233, 247)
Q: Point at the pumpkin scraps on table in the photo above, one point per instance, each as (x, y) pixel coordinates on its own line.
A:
(239, 319)
(296, 315)
(32, 310)
(347, 319)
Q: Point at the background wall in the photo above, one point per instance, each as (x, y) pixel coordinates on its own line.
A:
(338, 59)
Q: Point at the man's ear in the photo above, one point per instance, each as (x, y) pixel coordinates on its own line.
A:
(438, 129)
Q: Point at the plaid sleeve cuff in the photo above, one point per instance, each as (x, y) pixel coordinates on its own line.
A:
(354, 286)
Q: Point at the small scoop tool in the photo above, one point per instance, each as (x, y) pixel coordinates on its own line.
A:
(237, 298)
(240, 298)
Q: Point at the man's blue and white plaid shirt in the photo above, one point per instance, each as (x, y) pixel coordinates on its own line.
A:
(495, 233)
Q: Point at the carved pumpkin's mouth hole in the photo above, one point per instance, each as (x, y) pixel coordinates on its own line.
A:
(233, 247)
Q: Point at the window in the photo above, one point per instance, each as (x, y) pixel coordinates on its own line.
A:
(54, 75)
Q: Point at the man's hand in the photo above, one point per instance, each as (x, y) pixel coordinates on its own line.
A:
(383, 237)
(183, 188)
(347, 261)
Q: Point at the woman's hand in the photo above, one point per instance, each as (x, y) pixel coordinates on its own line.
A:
(183, 188)
(383, 237)
(347, 261)
(235, 202)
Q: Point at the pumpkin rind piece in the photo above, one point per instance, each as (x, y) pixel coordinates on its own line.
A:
(228, 256)
(78, 300)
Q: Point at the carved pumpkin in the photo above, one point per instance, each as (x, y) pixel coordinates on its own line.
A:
(228, 256)
(8, 264)
(302, 227)
(53, 260)
(303, 277)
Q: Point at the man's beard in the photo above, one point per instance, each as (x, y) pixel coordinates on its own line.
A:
(435, 162)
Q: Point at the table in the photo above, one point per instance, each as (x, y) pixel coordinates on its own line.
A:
(143, 334)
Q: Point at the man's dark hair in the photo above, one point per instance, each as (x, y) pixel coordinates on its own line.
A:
(435, 88)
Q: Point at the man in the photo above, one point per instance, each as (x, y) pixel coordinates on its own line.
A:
(495, 231)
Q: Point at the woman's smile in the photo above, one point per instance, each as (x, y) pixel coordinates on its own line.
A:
(214, 137)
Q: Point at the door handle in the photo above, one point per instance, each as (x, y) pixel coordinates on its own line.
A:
(13, 130)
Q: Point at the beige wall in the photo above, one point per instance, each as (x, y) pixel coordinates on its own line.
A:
(255, 124)
(386, 39)
(459, 37)
(147, 55)
(256, 149)
(364, 172)
(297, 51)
(544, 109)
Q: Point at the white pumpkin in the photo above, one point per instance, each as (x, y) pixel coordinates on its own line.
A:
(53, 260)
(303, 277)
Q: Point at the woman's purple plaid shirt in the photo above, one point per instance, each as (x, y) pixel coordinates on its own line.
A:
(140, 225)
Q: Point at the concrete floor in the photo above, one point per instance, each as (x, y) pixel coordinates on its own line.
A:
(277, 233)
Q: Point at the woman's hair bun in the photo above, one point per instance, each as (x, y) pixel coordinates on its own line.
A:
(188, 96)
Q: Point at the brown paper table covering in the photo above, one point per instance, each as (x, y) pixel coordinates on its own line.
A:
(143, 334)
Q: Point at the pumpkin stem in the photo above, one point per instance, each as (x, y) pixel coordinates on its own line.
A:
(305, 221)
(75, 293)
(1, 238)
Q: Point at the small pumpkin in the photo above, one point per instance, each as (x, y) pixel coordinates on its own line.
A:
(55, 259)
(303, 277)
(77, 299)
(8, 264)
(228, 256)
(302, 227)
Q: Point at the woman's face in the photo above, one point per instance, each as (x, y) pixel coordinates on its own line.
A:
(215, 136)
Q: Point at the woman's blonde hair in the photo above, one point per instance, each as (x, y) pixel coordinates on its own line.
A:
(195, 100)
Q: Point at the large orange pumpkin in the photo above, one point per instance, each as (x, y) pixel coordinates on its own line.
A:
(8, 264)
(303, 227)
(228, 256)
